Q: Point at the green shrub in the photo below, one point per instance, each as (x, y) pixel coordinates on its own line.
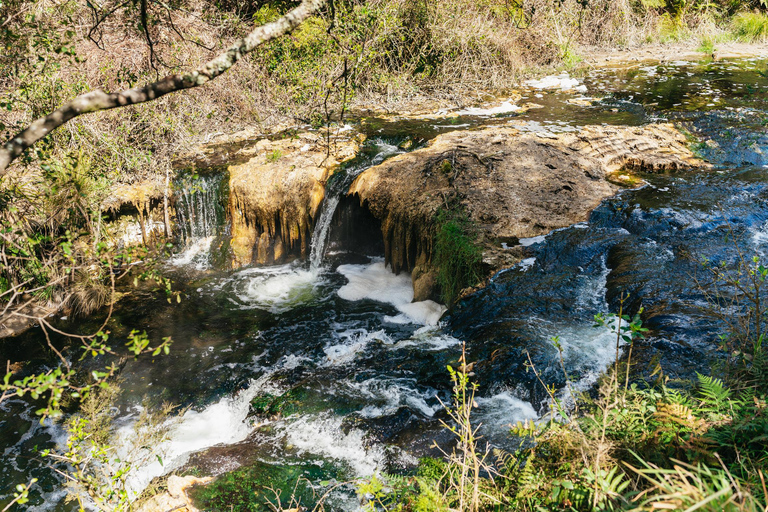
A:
(457, 256)
(750, 26)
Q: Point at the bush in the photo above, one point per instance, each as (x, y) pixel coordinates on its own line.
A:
(751, 26)
(457, 256)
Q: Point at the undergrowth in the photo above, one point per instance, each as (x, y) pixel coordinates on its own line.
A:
(751, 27)
(457, 256)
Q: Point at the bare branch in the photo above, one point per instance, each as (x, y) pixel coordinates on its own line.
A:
(97, 100)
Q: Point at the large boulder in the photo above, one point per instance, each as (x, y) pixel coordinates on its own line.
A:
(275, 195)
(512, 184)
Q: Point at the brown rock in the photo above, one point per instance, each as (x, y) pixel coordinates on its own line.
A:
(511, 184)
(425, 285)
(275, 194)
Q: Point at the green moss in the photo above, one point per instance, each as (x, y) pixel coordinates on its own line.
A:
(458, 257)
(254, 488)
(270, 405)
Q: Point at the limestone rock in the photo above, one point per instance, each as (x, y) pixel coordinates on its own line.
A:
(275, 195)
(175, 498)
(135, 194)
(511, 184)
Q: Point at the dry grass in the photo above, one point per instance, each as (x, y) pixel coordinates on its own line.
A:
(397, 50)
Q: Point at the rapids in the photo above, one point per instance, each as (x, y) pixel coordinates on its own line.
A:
(364, 367)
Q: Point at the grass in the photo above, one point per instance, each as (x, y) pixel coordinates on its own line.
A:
(457, 256)
(707, 46)
(750, 26)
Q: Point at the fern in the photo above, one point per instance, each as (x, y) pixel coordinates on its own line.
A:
(713, 392)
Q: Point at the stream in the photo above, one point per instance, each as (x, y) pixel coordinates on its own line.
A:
(362, 369)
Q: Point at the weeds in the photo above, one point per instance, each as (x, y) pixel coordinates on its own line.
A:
(457, 255)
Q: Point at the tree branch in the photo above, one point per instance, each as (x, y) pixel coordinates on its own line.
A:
(97, 100)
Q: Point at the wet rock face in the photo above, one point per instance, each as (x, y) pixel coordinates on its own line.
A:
(275, 195)
(511, 184)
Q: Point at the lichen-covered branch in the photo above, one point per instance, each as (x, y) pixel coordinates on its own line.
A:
(99, 100)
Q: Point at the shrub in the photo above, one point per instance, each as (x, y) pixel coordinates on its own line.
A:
(457, 256)
(751, 26)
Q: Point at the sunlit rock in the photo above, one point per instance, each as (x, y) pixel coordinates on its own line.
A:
(511, 184)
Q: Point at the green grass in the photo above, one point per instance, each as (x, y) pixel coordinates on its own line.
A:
(707, 46)
(458, 257)
(750, 26)
(274, 156)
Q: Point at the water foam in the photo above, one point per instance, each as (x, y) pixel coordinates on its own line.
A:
(196, 254)
(223, 422)
(505, 108)
(353, 341)
(502, 410)
(323, 435)
(276, 289)
(388, 395)
(562, 81)
(429, 338)
(376, 282)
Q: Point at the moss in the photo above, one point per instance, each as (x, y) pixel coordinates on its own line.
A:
(270, 405)
(458, 257)
(254, 488)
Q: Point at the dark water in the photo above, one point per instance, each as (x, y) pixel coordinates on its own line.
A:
(365, 370)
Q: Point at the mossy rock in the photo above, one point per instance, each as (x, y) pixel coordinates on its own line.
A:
(254, 488)
(282, 405)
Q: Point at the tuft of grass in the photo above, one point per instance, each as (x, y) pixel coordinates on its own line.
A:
(274, 156)
(750, 26)
(707, 45)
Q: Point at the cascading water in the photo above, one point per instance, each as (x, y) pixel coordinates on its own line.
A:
(373, 153)
(362, 370)
(200, 218)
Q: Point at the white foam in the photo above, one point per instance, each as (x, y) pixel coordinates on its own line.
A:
(353, 341)
(429, 338)
(276, 289)
(195, 255)
(376, 282)
(760, 238)
(224, 422)
(322, 435)
(427, 312)
(527, 242)
(503, 410)
(389, 395)
(562, 81)
(505, 108)
(525, 264)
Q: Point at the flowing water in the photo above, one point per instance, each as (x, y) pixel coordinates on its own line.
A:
(201, 218)
(372, 153)
(361, 369)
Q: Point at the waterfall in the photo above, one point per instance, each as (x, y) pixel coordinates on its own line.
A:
(200, 218)
(373, 153)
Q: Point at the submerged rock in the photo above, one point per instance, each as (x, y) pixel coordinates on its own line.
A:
(511, 184)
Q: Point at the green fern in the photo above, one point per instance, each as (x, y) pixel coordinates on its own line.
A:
(714, 395)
